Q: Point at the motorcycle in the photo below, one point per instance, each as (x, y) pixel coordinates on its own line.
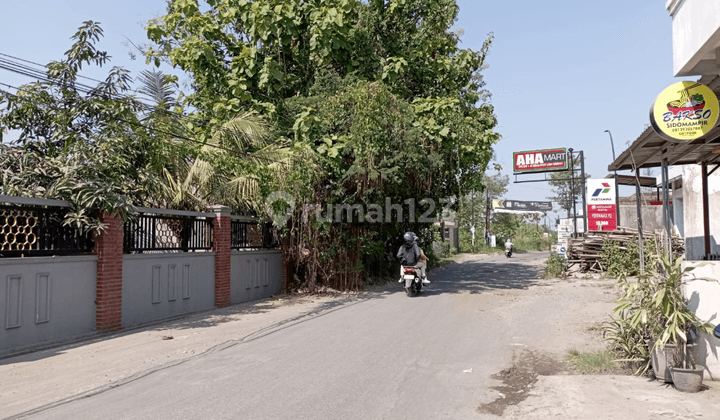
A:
(508, 252)
(413, 283)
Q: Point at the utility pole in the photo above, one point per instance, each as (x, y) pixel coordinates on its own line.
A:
(472, 203)
(584, 191)
(487, 217)
(617, 193)
(572, 191)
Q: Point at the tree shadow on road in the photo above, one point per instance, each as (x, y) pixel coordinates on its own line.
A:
(481, 276)
(205, 319)
(467, 277)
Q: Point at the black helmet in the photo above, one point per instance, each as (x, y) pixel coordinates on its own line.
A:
(409, 237)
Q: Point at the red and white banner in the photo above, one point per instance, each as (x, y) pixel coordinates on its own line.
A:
(602, 217)
(601, 204)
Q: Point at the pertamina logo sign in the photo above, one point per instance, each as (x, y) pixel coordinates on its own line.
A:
(604, 190)
(540, 160)
(684, 111)
(601, 209)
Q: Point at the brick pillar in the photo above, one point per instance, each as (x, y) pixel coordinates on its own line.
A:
(108, 289)
(221, 246)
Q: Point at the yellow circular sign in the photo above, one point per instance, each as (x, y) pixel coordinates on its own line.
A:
(684, 111)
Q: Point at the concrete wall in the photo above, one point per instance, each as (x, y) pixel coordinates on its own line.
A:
(704, 300)
(255, 275)
(46, 299)
(678, 210)
(652, 216)
(696, 35)
(158, 286)
(693, 213)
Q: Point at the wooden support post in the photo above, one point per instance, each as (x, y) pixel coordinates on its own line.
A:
(639, 223)
(666, 210)
(706, 209)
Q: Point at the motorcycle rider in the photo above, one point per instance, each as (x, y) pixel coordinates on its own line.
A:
(422, 264)
(508, 246)
(411, 255)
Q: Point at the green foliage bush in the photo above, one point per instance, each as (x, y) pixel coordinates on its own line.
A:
(653, 307)
(628, 341)
(624, 261)
(555, 266)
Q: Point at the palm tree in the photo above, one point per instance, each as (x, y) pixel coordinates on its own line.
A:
(225, 169)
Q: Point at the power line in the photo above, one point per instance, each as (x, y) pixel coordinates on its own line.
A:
(34, 74)
(174, 135)
(44, 66)
(41, 76)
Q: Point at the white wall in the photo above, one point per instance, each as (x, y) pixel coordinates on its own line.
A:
(704, 300)
(46, 299)
(255, 274)
(693, 212)
(696, 35)
(163, 285)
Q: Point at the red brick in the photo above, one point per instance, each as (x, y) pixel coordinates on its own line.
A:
(109, 249)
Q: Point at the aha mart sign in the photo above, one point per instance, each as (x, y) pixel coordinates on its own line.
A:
(601, 204)
(540, 160)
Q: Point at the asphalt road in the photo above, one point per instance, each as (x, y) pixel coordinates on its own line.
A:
(381, 356)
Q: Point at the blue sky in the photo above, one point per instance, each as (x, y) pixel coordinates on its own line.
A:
(560, 72)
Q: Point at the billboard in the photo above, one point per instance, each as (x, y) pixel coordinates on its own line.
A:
(521, 206)
(601, 204)
(540, 160)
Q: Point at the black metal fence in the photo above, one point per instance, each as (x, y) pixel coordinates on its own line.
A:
(239, 238)
(239, 234)
(270, 236)
(148, 232)
(38, 230)
(27, 230)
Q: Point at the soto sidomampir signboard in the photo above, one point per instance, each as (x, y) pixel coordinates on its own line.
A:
(684, 111)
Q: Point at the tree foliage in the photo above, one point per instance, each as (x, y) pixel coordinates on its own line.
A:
(367, 100)
(84, 145)
(106, 150)
(565, 190)
(475, 203)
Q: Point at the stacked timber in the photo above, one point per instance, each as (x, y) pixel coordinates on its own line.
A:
(586, 253)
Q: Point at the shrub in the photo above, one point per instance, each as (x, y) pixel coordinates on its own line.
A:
(653, 307)
(622, 261)
(628, 341)
(555, 266)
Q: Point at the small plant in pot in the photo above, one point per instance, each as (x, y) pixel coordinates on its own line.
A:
(655, 307)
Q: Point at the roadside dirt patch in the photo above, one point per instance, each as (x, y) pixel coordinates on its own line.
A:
(519, 379)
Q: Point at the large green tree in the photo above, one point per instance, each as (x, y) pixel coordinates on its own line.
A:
(367, 101)
(109, 149)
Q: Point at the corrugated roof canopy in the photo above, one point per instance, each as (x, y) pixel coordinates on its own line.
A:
(650, 149)
(645, 181)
